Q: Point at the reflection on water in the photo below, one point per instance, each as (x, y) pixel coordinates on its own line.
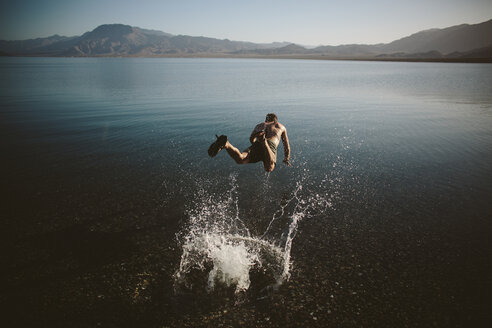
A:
(379, 150)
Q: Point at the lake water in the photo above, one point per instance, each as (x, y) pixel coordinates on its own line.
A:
(114, 214)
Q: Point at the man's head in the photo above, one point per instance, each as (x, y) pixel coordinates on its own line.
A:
(271, 118)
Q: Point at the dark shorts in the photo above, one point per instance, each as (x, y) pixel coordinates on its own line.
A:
(257, 153)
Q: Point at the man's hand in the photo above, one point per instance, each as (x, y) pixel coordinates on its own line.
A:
(257, 136)
(287, 162)
(260, 134)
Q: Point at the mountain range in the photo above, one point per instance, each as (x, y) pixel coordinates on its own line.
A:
(461, 43)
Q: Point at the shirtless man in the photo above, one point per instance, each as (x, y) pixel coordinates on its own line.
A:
(264, 142)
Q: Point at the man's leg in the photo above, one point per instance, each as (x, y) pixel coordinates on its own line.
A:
(269, 162)
(238, 156)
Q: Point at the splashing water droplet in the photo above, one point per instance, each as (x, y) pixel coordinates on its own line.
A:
(219, 241)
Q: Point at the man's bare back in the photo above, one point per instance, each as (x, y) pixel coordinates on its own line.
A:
(272, 131)
(264, 139)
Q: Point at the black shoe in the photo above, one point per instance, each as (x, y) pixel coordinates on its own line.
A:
(217, 146)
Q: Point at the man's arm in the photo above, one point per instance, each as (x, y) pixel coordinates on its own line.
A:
(256, 133)
(285, 142)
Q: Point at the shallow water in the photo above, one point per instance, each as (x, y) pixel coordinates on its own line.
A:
(392, 165)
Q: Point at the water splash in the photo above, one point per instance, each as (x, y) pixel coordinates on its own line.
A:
(219, 241)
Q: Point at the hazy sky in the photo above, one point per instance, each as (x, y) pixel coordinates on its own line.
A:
(306, 22)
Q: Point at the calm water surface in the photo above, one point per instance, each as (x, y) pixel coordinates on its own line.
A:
(106, 158)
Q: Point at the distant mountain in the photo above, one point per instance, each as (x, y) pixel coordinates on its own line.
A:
(485, 52)
(460, 38)
(348, 50)
(32, 46)
(417, 55)
(125, 40)
(284, 50)
(435, 43)
(456, 42)
(114, 40)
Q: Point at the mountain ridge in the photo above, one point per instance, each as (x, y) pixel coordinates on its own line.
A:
(465, 41)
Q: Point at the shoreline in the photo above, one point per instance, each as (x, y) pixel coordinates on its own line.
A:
(293, 56)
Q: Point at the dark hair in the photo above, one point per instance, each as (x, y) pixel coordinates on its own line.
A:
(271, 118)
